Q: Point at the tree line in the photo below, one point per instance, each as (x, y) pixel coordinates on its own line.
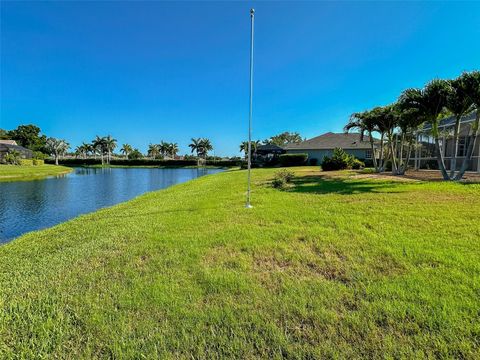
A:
(397, 124)
(103, 147)
(281, 139)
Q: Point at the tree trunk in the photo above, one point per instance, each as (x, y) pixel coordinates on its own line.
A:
(453, 163)
(440, 160)
(372, 145)
(56, 159)
(381, 162)
(393, 154)
(471, 147)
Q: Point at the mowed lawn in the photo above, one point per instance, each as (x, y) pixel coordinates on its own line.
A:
(19, 173)
(336, 267)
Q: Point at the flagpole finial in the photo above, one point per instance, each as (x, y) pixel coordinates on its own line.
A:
(252, 11)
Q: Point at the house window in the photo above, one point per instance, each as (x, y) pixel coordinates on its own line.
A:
(368, 154)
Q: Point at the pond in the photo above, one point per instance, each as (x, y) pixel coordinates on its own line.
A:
(34, 205)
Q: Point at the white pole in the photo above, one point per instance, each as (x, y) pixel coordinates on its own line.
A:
(252, 20)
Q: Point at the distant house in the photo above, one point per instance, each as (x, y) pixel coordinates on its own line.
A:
(323, 145)
(8, 146)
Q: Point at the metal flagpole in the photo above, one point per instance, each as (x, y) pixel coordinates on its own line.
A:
(252, 20)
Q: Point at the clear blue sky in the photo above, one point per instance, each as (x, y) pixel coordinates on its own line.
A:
(150, 71)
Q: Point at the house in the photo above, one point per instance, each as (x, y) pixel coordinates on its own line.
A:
(319, 147)
(8, 146)
(424, 157)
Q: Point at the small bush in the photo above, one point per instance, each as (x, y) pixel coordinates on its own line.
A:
(282, 178)
(26, 162)
(38, 162)
(292, 159)
(357, 164)
(340, 160)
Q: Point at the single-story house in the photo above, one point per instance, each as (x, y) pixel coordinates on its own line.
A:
(8, 146)
(323, 145)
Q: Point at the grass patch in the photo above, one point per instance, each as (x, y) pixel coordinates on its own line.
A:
(332, 267)
(25, 173)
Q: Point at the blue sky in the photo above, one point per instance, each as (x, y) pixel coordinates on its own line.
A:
(150, 71)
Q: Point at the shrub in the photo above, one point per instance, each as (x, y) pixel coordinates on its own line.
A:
(26, 162)
(38, 162)
(292, 159)
(340, 160)
(38, 155)
(312, 162)
(281, 178)
(357, 164)
(12, 158)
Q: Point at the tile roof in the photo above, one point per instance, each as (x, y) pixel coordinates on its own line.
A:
(333, 140)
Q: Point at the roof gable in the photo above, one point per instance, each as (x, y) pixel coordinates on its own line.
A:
(8, 142)
(332, 140)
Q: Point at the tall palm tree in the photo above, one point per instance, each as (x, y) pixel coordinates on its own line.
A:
(110, 144)
(196, 146)
(205, 146)
(471, 87)
(366, 122)
(56, 147)
(244, 147)
(173, 149)
(126, 149)
(153, 150)
(459, 104)
(429, 102)
(98, 146)
(164, 148)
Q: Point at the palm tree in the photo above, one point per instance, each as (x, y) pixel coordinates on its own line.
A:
(126, 149)
(98, 146)
(429, 103)
(153, 150)
(110, 145)
(366, 122)
(205, 146)
(407, 121)
(56, 147)
(196, 146)
(164, 148)
(244, 146)
(471, 87)
(78, 151)
(459, 104)
(173, 149)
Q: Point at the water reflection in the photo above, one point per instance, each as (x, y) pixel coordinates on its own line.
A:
(33, 205)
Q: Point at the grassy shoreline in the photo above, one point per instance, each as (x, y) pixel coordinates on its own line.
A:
(27, 173)
(334, 266)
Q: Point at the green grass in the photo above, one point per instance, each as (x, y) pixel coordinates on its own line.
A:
(24, 173)
(338, 267)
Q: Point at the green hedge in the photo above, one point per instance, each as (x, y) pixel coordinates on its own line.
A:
(26, 162)
(292, 159)
(38, 162)
(143, 162)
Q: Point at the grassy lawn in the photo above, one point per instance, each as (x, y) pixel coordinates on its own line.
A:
(344, 266)
(21, 173)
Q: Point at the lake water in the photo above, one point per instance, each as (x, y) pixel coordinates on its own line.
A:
(34, 205)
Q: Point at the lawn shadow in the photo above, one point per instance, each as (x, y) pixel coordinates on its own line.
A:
(321, 184)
